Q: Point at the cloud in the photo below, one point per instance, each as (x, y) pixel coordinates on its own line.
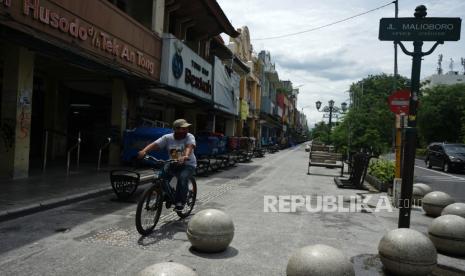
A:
(327, 61)
(329, 67)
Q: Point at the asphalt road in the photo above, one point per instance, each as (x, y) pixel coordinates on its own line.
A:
(451, 183)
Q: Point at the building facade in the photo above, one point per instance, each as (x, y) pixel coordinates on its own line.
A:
(248, 123)
(76, 74)
(69, 73)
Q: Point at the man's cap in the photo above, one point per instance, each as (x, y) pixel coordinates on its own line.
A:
(180, 123)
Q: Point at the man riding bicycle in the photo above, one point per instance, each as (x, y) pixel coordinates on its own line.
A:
(180, 146)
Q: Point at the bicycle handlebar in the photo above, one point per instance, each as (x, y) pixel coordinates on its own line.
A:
(156, 160)
(148, 157)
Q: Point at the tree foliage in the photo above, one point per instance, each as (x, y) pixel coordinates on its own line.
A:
(368, 124)
(320, 132)
(441, 114)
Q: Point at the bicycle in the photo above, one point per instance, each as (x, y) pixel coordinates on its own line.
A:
(150, 205)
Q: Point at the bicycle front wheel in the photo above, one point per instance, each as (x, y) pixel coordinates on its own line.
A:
(149, 210)
(190, 201)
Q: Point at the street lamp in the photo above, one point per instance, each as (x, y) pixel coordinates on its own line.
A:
(331, 109)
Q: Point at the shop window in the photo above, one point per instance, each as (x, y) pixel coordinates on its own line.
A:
(140, 10)
(121, 4)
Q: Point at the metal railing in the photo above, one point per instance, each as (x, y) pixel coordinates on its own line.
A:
(68, 155)
(107, 143)
(47, 133)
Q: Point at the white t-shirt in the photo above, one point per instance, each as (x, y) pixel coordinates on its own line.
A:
(176, 148)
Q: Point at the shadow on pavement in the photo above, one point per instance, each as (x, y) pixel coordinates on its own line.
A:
(166, 232)
(228, 253)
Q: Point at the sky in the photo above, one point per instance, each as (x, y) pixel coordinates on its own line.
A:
(324, 63)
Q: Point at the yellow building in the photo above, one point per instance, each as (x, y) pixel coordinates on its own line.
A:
(250, 90)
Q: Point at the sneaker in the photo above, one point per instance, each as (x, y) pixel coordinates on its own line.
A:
(179, 207)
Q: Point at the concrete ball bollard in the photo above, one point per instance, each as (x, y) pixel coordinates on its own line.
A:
(457, 209)
(448, 234)
(419, 191)
(422, 186)
(167, 269)
(434, 202)
(318, 260)
(405, 251)
(417, 195)
(210, 231)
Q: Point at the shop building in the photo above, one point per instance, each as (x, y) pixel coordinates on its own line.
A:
(270, 112)
(70, 72)
(187, 83)
(248, 123)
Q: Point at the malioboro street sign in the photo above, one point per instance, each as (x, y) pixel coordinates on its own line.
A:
(420, 29)
(417, 29)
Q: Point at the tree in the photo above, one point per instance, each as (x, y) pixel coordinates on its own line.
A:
(320, 132)
(368, 124)
(441, 114)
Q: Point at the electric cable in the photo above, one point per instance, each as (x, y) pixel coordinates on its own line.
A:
(326, 25)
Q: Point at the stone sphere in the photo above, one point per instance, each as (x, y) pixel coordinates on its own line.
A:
(167, 269)
(210, 230)
(319, 260)
(434, 202)
(405, 251)
(417, 195)
(448, 234)
(422, 186)
(457, 209)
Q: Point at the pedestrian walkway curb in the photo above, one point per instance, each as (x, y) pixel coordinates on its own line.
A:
(52, 203)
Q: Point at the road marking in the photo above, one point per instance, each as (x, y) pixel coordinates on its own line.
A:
(445, 174)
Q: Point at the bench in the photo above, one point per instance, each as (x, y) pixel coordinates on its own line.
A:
(320, 156)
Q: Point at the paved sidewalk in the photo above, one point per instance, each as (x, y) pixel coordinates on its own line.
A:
(100, 237)
(52, 189)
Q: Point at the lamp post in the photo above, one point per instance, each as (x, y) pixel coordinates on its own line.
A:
(331, 109)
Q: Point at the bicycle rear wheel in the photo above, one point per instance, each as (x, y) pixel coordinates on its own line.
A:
(190, 201)
(149, 210)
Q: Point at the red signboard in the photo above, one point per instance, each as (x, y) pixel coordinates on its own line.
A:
(399, 101)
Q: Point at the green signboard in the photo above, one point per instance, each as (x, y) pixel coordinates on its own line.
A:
(420, 29)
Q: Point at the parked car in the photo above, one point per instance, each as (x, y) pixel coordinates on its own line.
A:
(449, 157)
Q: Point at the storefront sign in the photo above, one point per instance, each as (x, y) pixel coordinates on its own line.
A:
(183, 68)
(55, 20)
(226, 88)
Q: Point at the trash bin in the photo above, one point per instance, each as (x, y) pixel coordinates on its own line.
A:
(124, 183)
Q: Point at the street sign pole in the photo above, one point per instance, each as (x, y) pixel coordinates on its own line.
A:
(410, 140)
(416, 29)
